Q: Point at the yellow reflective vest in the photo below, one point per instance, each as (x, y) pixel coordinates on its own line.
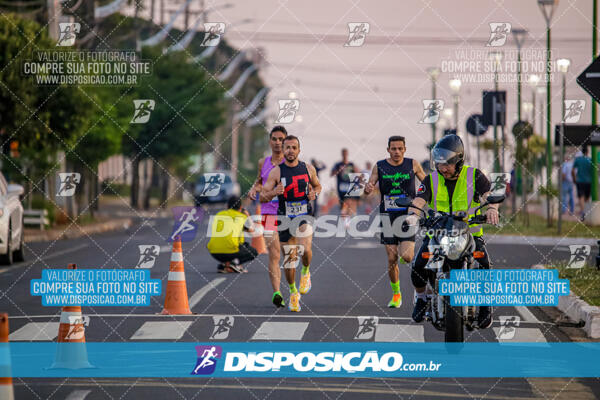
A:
(462, 197)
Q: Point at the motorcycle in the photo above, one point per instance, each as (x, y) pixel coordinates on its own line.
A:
(451, 246)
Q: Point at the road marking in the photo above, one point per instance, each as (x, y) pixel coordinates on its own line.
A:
(78, 395)
(271, 316)
(529, 335)
(162, 330)
(195, 299)
(362, 245)
(526, 314)
(36, 331)
(398, 388)
(269, 330)
(165, 248)
(46, 257)
(399, 333)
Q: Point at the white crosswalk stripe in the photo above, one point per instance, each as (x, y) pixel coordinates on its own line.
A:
(280, 331)
(399, 333)
(274, 329)
(35, 331)
(530, 335)
(153, 330)
(78, 395)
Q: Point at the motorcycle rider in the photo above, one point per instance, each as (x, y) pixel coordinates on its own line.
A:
(451, 187)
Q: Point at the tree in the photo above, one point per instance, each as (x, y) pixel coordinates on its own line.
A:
(188, 107)
(44, 118)
(102, 139)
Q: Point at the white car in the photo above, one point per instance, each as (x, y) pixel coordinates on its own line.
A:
(11, 223)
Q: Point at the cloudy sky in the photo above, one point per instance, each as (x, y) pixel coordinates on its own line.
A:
(357, 96)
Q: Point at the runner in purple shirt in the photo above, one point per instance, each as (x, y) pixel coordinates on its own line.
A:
(269, 210)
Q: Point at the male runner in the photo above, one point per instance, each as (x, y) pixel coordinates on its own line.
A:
(341, 171)
(396, 177)
(296, 184)
(268, 210)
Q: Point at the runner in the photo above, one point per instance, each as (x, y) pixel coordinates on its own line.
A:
(396, 177)
(341, 171)
(269, 210)
(296, 184)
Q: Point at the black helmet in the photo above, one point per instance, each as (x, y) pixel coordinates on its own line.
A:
(448, 150)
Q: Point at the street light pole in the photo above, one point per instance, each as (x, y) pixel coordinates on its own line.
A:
(496, 56)
(594, 149)
(433, 72)
(533, 82)
(455, 85)
(547, 7)
(519, 36)
(563, 67)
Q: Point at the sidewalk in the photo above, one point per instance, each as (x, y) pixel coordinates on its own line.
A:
(538, 233)
(114, 214)
(538, 240)
(536, 208)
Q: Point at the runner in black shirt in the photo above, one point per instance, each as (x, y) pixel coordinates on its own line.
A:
(296, 184)
(396, 177)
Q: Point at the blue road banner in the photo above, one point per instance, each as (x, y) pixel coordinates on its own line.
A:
(293, 359)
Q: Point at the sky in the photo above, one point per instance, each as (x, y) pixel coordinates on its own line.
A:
(358, 96)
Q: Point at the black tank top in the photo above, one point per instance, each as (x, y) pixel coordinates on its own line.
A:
(395, 181)
(294, 201)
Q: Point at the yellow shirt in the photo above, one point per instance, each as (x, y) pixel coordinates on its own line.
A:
(226, 232)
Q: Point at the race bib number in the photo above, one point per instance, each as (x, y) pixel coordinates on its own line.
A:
(389, 203)
(296, 208)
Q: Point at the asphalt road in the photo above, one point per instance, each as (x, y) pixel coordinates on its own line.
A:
(349, 281)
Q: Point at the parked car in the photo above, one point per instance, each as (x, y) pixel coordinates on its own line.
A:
(11, 223)
(215, 187)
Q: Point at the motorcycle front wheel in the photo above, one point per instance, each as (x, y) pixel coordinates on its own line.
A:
(454, 322)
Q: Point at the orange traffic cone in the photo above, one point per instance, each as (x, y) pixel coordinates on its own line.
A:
(6, 386)
(71, 352)
(176, 301)
(258, 240)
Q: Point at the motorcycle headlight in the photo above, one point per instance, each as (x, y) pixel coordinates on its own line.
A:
(454, 245)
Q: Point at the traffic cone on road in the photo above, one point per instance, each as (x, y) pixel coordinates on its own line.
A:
(258, 240)
(71, 352)
(176, 300)
(6, 386)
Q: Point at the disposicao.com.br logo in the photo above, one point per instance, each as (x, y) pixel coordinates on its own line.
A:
(307, 362)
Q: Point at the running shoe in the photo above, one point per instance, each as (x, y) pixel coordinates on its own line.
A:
(278, 300)
(396, 301)
(419, 310)
(305, 283)
(295, 302)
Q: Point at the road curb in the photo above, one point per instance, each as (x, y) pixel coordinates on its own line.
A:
(76, 231)
(579, 310)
